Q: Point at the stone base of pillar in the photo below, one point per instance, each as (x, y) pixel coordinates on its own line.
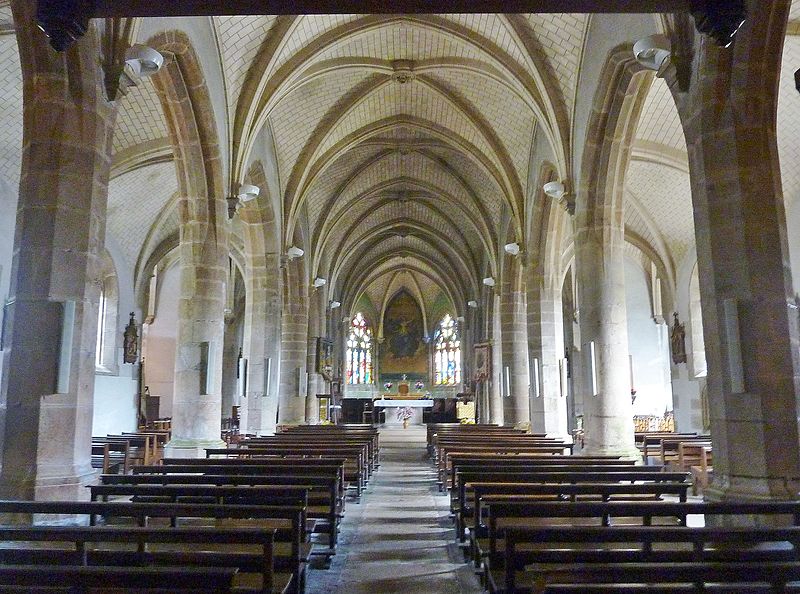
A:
(623, 451)
(191, 448)
(55, 487)
(751, 489)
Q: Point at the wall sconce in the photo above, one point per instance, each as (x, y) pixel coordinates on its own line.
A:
(488, 281)
(554, 189)
(294, 252)
(472, 303)
(142, 61)
(335, 304)
(653, 52)
(512, 248)
(248, 192)
(319, 282)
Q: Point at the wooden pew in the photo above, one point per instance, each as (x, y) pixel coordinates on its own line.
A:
(605, 491)
(340, 430)
(35, 579)
(669, 451)
(504, 513)
(140, 447)
(518, 449)
(110, 457)
(110, 454)
(288, 522)
(323, 490)
(103, 546)
(356, 466)
(459, 461)
(324, 440)
(260, 465)
(696, 457)
(549, 474)
(538, 557)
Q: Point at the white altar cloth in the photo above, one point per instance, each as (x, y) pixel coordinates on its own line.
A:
(399, 403)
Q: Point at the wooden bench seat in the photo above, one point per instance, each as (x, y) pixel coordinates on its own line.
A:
(38, 579)
(323, 491)
(502, 514)
(460, 460)
(536, 557)
(129, 546)
(355, 467)
(111, 457)
(582, 491)
(467, 482)
(286, 521)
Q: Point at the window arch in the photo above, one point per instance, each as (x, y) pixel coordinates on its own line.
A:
(359, 351)
(105, 361)
(447, 353)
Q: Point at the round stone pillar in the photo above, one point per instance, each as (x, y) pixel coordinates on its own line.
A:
(197, 404)
(608, 411)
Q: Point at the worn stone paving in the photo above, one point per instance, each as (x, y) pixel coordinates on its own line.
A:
(400, 537)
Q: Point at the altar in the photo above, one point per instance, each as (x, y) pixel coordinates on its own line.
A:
(392, 406)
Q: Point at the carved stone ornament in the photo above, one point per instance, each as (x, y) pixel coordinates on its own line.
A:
(677, 341)
(130, 341)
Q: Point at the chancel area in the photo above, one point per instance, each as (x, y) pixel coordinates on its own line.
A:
(528, 268)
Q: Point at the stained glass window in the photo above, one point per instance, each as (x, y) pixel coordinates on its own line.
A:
(359, 351)
(447, 353)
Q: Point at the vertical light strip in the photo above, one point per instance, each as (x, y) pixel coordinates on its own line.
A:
(593, 367)
(536, 390)
(734, 346)
(65, 351)
(267, 374)
(507, 382)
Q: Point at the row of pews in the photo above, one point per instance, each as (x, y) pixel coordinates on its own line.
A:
(688, 452)
(117, 454)
(547, 521)
(248, 519)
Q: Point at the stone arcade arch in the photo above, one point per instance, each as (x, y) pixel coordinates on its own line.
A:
(203, 245)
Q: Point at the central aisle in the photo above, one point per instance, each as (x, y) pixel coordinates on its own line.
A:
(400, 537)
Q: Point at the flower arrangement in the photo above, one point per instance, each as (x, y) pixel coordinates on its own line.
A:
(419, 385)
(388, 385)
(404, 413)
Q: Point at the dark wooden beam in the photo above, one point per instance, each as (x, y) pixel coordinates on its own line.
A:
(151, 8)
(64, 21)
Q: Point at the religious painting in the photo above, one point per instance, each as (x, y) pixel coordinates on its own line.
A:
(325, 358)
(403, 351)
(483, 361)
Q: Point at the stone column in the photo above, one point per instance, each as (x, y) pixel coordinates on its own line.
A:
(47, 391)
(750, 316)
(271, 341)
(495, 382)
(294, 348)
(608, 413)
(197, 406)
(516, 405)
(546, 346)
(317, 329)
(262, 343)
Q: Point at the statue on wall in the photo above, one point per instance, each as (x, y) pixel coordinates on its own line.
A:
(678, 341)
(130, 341)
